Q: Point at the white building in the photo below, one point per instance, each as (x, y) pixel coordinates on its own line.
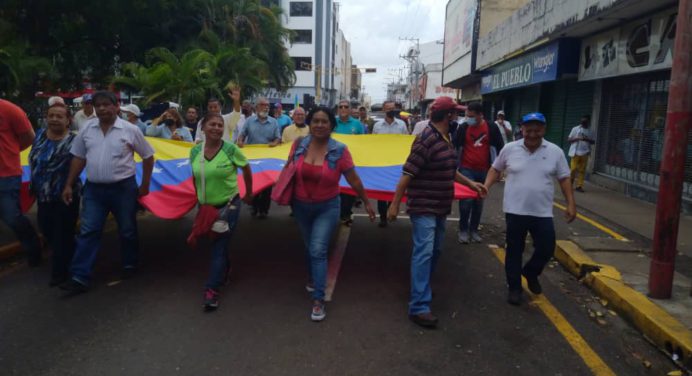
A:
(314, 49)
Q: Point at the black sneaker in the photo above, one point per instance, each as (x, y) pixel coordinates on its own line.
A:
(514, 297)
(211, 299)
(383, 222)
(534, 285)
(262, 215)
(580, 189)
(426, 320)
(74, 287)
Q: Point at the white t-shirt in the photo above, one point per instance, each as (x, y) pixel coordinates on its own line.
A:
(397, 127)
(233, 124)
(580, 147)
(530, 177)
(80, 119)
(420, 127)
(503, 132)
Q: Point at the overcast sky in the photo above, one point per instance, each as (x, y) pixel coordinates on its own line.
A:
(374, 27)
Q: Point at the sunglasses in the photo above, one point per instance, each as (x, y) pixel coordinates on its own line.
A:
(344, 106)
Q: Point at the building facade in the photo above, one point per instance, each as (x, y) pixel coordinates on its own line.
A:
(609, 59)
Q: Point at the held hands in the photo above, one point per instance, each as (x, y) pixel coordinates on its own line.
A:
(248, 198)
(67, 195)
(481, 189)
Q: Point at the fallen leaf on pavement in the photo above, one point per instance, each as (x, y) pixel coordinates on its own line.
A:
(601, 322)
(647, 364)
(675, 373)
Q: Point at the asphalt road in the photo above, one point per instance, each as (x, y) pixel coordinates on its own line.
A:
(154, 324)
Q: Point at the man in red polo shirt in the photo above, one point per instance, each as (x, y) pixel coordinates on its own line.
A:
(477, 144)
(16, 134)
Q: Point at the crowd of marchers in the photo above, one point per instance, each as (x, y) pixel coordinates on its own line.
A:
(455, 144)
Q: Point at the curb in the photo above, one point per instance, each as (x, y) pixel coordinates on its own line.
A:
(657, 325)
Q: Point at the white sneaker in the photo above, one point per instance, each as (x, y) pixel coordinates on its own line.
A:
(463, 237)
(318, 312)
(476, 238)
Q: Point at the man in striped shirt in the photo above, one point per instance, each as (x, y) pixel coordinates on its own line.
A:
(428, 180)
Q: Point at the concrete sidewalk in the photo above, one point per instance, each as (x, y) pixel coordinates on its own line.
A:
(618, 270)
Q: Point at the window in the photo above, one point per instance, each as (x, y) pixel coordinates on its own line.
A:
(301, 9)
(303, 36)
(302, 63)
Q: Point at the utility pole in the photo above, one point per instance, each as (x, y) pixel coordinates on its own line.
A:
(413, 59)
(672, 172)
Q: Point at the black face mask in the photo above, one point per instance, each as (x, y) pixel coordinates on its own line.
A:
(585, 124)
(392, 114)
(168, 122)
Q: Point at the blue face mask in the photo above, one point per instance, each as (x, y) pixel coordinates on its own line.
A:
(471, 121)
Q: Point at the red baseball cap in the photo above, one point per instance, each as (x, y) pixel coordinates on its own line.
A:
(446, 103)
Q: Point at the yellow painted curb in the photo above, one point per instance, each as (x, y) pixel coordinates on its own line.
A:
(655, 323)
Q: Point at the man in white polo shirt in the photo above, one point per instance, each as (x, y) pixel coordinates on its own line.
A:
(531, 165)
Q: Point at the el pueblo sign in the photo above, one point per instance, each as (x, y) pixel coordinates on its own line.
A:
(534, 67)
(641, 46)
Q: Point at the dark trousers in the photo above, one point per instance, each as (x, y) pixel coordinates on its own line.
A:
(347, 202)
(470, 210)
(542, 232)
(11, 214)
(262, 201)
(382, 207)
(119, 198)
(57, 222)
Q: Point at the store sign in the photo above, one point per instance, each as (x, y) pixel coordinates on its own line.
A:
(460, 27)
(641, 46)
(532, 68)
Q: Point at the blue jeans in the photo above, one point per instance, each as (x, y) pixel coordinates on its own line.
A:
(11, 215)
(219, 248)
(119, 198)
(428, 235)
(317, 222)
(470, 210)
(542, 232)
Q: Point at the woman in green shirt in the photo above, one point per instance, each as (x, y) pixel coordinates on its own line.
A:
(215, 164)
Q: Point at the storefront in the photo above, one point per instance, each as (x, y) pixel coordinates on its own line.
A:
(541, 80)
(632, 63)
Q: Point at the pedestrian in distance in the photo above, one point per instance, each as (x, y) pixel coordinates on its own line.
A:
(191, 119)
(477, 144)
(504, 127)
(428, 181)
(131, 112)
(50, 160)
(347, 124)
(297, 129)
(281, 118)
(86, 114)
(170, 126)
(365, 120)
(233, 121)
(391, 124)
(215, 163)
(16, 134)
(581, 139)
(320, 162)
(261, 129)
(531, 164)
(106, 149)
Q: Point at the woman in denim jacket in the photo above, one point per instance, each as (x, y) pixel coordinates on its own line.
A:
(320, 162)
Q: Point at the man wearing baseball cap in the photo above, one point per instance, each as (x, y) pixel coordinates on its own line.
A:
(132, 113)
(428, 180)
(86, 114)
(531, 166)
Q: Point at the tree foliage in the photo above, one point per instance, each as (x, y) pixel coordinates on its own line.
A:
(177, 50)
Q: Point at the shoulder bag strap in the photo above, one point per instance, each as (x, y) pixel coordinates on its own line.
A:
(201, 174)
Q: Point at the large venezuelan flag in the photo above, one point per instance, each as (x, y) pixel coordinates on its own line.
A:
(379, 160)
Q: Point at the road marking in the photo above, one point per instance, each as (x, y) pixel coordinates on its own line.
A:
(576, 341)
(403, 217)
(595, 224)
(334, 263)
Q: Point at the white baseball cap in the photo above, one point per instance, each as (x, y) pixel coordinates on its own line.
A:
(55, 99)
(131, 108)
(500, 113)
